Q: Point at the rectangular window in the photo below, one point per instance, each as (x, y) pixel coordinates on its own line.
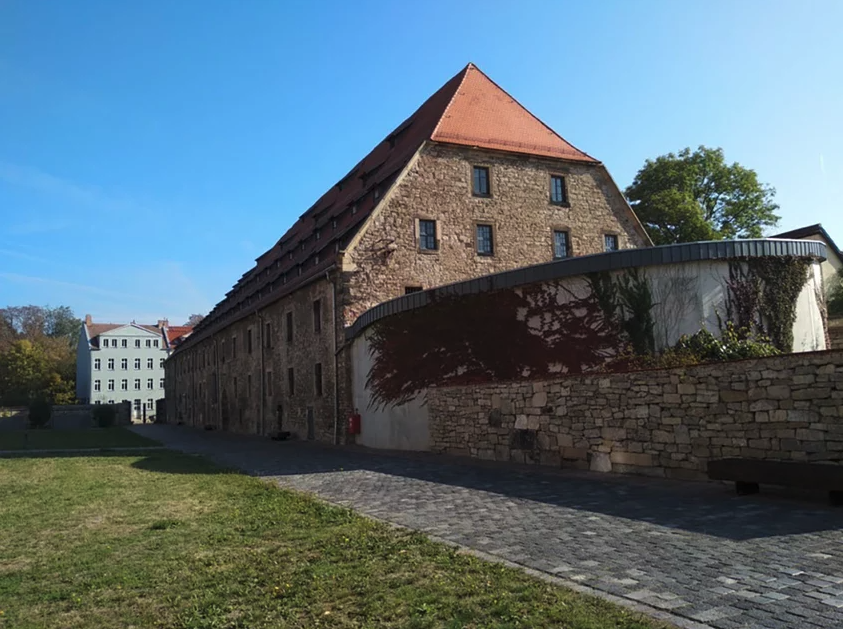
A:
(235, 386)
(267, 387)
(317, 316)
(137, 384)
(161, 383)
(222, 352)
(161, 363)
(249, 341)
(124, 385)
(148, 342)
(234, 347)
(291, 381)
(317, 378)
(111, 385)
(137, 342)
(249, 385)
(111, 364)
(96, 385)
(611, 242)
(268, 334)
(150, 384)
(412, 289)
(289, 327)
(480, 184)
(137, 363)
(97, 364)
(124, 343)
(485, 242)
(124, 364)
(427, 235)
(155, 343)
(561, 245)
(150, 363)
(150, 404)
(558, 190)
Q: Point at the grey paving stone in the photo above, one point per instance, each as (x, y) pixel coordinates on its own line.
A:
(695, 549)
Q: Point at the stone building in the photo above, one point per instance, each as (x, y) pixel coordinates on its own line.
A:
(470, 184)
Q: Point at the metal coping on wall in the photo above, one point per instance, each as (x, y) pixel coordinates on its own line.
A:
(595, 263)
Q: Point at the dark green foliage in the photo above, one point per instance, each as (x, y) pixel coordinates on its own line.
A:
(743, 297)
(604, 291)
(783, 280)
(733, 344)
(835, 297)
(637, 306)
(698, 196)
(105, 415)
(40, 411)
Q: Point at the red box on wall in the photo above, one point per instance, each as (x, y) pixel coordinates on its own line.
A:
(354, 424)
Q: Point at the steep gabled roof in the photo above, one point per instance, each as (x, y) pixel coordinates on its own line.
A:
(469, 110)
(175, 332)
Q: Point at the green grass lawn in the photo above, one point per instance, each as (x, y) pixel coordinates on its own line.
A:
(48, 439)
(168, 540)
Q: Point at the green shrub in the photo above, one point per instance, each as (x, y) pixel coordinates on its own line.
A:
(105, 415)
(40, 411)
(835, 296)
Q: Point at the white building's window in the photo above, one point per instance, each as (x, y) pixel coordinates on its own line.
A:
(137, 384)
(124, 364)
(148, 343)
(124, 385)
(149, 385)
(137, 342)
(150, 363)
(111, 364)
(97, 364)
(155, 342)
(137, 363)
(97, 385)
(161, 383)
(150, 404)
(113, 342)
(111, 401)
(111, 385)
(124, 343)
(97, 402)
(161, 363)
(103, 343)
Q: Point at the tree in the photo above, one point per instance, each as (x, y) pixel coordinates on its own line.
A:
(194, 320)
(698, 196)
(835, 296)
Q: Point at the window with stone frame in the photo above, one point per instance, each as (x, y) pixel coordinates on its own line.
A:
(561, 244)
(480, 186)
(485, 240)
(558, 190)
(317, 378)
(291, 381)
(427, 235)
(289, 328)
(317, 316)
(611, 242)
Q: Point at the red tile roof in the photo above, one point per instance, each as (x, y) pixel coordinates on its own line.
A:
(468, 110)
(482, 114)
(175, 332)
(95, 329)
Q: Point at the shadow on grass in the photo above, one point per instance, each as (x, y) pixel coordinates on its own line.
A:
(176, 463)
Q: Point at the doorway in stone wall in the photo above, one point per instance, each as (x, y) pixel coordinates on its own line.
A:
(311, 424)
(279, 418)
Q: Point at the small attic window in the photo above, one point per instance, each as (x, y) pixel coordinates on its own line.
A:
(299, 267)
(377, 193)
(353, 209)
(284, 278)
(337, 246)
(291, 255)
(316, 260)
(302, 245)
(318, 234)
(334, 224)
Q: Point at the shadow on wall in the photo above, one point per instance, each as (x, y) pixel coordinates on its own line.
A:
(706, 508)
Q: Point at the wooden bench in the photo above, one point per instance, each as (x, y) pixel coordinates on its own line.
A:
(748, 474)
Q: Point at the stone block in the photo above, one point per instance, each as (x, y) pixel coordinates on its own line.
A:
(778, 392)
(802, 416)
(575, 454)
(520, 422)
(732, 396)
(599, 462)
(686, 389)
(539, 399)
(631, 458)
(613, 434)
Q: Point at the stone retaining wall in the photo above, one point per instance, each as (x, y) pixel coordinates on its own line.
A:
(662, 423)
(64, 417)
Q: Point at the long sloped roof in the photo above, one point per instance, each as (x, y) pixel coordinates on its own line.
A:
(469, 110)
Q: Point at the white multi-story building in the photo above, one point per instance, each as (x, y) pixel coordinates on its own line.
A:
(124, 362)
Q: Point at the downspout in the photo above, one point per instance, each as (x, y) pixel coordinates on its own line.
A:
(336, 362)
(219, 379)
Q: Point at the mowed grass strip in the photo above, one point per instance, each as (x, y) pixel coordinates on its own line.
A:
(169, 540)
(49, 439)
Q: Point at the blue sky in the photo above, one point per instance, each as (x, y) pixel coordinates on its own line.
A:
(150, 151)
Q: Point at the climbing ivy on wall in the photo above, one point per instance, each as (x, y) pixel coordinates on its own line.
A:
(762, 295)
(627, 301)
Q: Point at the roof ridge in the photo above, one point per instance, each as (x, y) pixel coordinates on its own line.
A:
(444, 113)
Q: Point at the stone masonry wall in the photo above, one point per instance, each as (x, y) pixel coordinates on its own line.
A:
(387, 260)
(661, 423)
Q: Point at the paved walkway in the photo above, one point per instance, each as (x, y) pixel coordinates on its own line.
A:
(693, 549)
